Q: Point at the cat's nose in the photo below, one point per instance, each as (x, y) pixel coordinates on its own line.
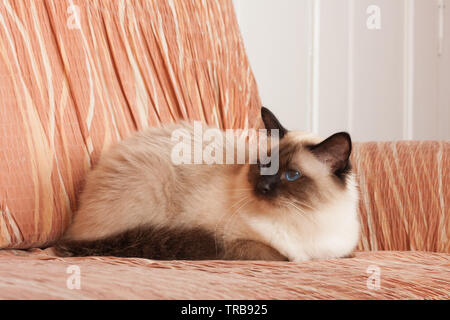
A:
(265, 187)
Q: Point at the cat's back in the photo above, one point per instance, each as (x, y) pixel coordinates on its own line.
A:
(155, 140)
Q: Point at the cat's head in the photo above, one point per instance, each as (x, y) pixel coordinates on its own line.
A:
(310, 170)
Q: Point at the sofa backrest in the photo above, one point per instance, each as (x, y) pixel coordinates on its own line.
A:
(76, 76)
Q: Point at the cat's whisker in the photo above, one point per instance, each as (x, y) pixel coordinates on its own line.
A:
(304, 205)
(296, 209)
(235, 213)
(241, 189)
(237, 203)
(299, 211)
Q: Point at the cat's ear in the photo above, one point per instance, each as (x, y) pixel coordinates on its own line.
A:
(271, 122)
(334, 151)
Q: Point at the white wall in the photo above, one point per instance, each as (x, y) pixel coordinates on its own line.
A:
(321, 69)
(277, 55)
(444, 79)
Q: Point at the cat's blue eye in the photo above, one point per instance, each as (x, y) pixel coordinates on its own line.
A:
(292, 175)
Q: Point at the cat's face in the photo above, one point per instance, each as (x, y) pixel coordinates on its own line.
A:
(310, 171)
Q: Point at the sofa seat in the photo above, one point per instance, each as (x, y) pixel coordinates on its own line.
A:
(38, 274)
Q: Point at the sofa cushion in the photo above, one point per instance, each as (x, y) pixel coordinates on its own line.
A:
(38, 274)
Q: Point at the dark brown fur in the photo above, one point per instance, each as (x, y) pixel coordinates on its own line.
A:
(168, 244)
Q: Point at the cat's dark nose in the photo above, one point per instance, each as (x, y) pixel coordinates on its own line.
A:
(264, 187)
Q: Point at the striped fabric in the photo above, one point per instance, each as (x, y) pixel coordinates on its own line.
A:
(405, 195)
(78, 75)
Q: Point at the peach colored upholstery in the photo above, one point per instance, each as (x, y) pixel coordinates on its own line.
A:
(68, 93)
(403, 275)
(405, 195)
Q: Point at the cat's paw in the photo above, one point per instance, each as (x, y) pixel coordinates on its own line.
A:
(299, 258)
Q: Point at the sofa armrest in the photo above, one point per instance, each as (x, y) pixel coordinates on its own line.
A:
(404, 195)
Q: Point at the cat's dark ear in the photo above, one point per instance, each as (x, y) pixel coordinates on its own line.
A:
(334, 151)
(271, 122)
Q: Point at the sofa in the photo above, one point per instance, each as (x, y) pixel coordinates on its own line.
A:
(77, 76)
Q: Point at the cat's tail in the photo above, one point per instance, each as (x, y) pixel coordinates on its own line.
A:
(78, 249)
(150, 243)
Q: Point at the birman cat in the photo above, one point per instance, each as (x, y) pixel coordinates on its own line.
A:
(137, 202)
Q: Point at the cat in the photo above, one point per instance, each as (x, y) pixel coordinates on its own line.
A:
(137, 203)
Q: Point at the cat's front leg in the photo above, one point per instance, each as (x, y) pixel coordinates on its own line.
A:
(251, 250)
